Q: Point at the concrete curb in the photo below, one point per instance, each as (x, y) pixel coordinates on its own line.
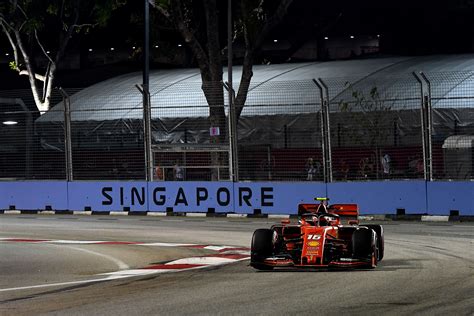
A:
(375, 217)
(434, 218)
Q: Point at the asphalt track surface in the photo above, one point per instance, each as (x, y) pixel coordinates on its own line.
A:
(428, 269)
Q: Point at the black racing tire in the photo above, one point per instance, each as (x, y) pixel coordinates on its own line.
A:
(261, 248)
(278, 241)
(378, 229)
(364, 242)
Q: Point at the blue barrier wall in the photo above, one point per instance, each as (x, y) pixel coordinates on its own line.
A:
(445, 196)
(33, 195)
(383, 197)
(108, 196)
(191, 196)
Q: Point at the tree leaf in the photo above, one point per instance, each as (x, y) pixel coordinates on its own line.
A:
(13, 65)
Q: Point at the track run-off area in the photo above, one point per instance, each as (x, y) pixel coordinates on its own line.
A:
(105, 265)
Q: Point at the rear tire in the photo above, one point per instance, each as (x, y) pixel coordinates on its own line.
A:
(261, 248)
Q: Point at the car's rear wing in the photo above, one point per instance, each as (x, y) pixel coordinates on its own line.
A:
(346, 210)
(307, 208)
(350, 211)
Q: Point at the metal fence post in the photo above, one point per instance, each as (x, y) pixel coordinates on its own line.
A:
(147, 131)
(233, 154)
(145, 90)
(426, 124)
(325, 130)
(429, 130)
(67, 134)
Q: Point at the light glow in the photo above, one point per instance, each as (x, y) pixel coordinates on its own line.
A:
(10, 122)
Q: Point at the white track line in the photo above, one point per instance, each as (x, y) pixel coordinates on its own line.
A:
(125, 272)
(31, 287)
(120, 264)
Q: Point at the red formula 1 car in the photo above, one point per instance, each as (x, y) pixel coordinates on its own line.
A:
(319, 239)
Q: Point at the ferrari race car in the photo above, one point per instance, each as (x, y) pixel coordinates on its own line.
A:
(319, 240)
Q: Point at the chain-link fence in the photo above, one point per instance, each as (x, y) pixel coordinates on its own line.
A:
(376, 128)
(415, 126)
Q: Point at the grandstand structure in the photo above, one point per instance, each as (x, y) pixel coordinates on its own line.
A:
(408, 108)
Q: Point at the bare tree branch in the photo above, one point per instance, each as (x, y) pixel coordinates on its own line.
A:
(63, 43)
(162, 11)
(37, 76)
(17, 6)
(16, 27)
(31, 76)
(42, 47)
(10, 39)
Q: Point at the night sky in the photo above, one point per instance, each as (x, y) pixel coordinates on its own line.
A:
(405, 27)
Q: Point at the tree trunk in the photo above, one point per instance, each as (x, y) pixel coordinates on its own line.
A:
(214, 93)
(245, 80)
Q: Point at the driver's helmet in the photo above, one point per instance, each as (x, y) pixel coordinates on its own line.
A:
(324, 220)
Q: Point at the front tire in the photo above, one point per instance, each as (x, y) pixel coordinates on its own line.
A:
(261, 248)
(364, 246)
(380, 239)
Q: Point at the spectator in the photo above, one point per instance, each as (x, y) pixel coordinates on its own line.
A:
(158, 173)
(364, 168)
(386, 165)
(178, 172)
(344, 169)
(416, 167)
(312, 169)
(420, 168)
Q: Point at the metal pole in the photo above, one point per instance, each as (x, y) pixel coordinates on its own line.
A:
(146, 96)
(146, 47)
(323, 132)
(425, 124)
(67, 134)
(429, 131)
(422, 117)
(233, 161)
(328, 131)
(233, 154)
(326, 128)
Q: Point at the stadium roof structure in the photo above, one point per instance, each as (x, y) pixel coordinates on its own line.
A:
(283, 103)
(275, 89)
